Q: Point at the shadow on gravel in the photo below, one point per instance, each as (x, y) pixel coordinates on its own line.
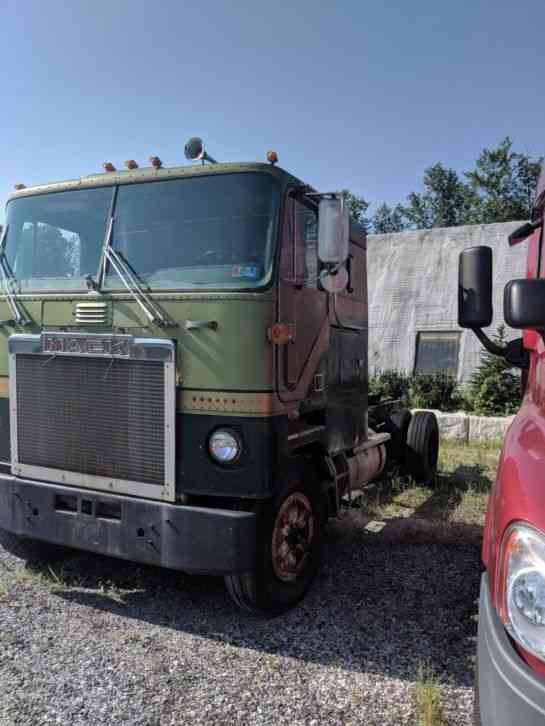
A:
(383, 603)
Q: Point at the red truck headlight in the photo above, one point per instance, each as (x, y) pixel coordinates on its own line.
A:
(521, 587)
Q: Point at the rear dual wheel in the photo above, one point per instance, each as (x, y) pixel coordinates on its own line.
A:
(290, 533)
(423, 447)
(413, 444)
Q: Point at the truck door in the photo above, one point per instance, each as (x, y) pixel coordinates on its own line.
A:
(347, 366)
(302, 306)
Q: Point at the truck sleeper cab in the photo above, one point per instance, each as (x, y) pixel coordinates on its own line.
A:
(178, 387)
(510, 677)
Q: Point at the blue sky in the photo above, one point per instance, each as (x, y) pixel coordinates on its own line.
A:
(357, 95)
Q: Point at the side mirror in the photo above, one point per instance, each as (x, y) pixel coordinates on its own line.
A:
(333, 231)
(524, 304)
(475, 288)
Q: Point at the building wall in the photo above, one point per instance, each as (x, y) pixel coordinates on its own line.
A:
(413, 287)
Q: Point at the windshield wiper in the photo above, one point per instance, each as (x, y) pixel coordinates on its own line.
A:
(7, 281)
(131, 282)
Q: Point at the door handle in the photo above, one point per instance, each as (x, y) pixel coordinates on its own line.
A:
(201, 324)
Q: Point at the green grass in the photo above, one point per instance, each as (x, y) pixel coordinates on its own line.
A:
(428, 697)
(466, 473)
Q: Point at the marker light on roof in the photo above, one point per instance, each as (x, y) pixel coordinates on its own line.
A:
(19, 186)
(156, 162)
(108, 166)
(131, 164)
(272, 157)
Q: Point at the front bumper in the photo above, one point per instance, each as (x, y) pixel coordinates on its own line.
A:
(509, 691)
(193, 539)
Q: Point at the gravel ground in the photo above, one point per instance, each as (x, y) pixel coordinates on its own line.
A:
(110, 642)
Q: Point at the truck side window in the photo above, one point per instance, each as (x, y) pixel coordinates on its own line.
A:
(299, 259)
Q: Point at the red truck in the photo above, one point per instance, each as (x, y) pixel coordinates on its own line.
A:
(510, 678)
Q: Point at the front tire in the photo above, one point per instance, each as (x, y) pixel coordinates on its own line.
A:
(290, 534)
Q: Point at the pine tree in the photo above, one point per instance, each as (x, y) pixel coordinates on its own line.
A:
(494, 389)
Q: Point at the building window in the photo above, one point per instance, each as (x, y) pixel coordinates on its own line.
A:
(437, 352)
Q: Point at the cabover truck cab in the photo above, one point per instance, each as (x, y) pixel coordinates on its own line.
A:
(510, 678)
(183, 361)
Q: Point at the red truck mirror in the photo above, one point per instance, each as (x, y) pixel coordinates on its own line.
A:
(524, 304)
(475, 288)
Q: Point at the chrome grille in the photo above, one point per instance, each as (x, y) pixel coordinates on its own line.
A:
(96, 421)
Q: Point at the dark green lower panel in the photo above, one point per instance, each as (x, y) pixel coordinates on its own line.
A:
(254, 476)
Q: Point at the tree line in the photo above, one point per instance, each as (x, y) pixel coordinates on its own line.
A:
(499, 189)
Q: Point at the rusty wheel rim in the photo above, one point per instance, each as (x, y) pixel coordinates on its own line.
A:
(292, 537)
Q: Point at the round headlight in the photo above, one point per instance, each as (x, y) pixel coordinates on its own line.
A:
(224, 446)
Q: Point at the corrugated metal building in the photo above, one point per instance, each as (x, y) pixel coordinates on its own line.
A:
(413, 290)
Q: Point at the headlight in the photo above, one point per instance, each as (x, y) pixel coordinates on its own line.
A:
(522, 587)
(224, 446)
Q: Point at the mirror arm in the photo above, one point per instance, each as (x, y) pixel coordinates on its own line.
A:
(490, 346)
(517, 355)
(522, 232)
(514, 352)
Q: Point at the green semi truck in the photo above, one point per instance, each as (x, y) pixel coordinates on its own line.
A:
(183, 372)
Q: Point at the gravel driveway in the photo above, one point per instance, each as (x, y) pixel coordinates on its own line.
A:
(111, 642)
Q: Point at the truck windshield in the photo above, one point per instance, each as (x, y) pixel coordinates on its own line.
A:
(54, 240)
(213, 231)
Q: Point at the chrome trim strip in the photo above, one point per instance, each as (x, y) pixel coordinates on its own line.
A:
(12, 387)
(157, 349)
(89, 481)
(170, 430)
(306, 432)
